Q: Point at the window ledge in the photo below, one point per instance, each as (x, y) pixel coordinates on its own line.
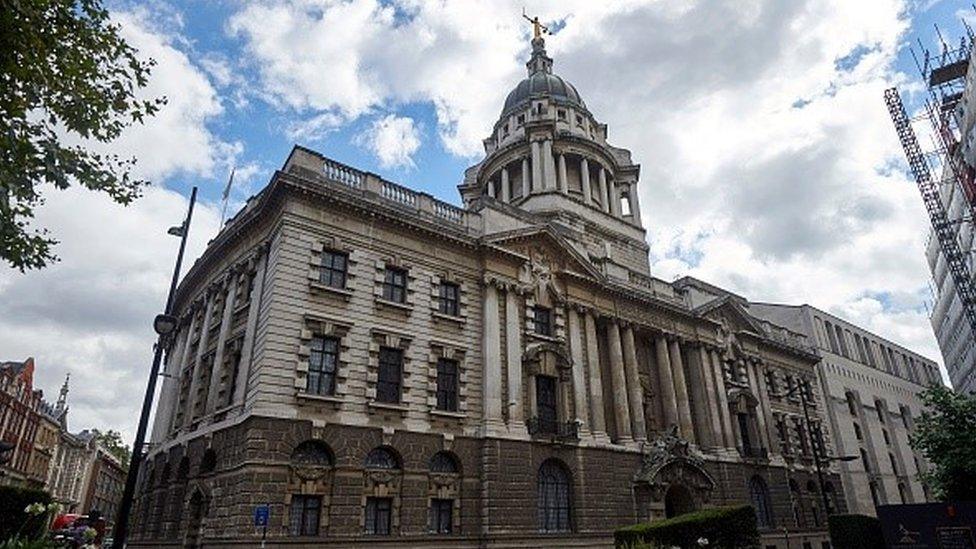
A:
(543, 337)
(448, 414)
(402, 408)
(405, 307)
(331, 399)
(437, 315)
(320, 287)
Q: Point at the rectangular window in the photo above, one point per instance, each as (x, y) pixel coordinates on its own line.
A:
(450, 302)
(545, 398)
(304, 519)
(832, 338)
(333, 272)
(389, 375)
(379, 513)
(447, 385)
(542, 319)
(323, 359)
(395, 285)
(441, 515)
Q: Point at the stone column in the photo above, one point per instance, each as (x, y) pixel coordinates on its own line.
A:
(681, 391)
(506, 196)
(669, 401)
(536, 167)
(184, 363)
(635, 204)
(579, 376)
(585, 181)
(226, 318)
(766, 412)
(526, 182)
(747, 366)
(548, 165)
(618, 381)
(198, 363)
(170, 387)
(728, 434)
(696, 391)
(614, 197)
(254, 309)
(513, 354)
(711, 397)
(597, 418)
(563, 184)
(604, 199)
(492, 374)
(635, 393)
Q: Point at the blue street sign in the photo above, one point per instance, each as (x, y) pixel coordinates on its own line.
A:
(261, 515)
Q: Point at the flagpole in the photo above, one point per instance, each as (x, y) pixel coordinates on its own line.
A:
(223, 208)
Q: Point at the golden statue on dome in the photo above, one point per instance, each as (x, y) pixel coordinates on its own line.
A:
(538, 28)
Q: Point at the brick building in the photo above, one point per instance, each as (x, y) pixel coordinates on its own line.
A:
(20, 418)
(383, 368)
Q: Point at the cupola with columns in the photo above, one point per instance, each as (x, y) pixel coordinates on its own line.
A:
(548, 155)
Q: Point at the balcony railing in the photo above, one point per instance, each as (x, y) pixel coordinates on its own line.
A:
(558, 430)
(754, 452)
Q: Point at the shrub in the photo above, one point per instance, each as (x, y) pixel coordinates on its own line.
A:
(855, 532)
(14, 521)
(724, 527)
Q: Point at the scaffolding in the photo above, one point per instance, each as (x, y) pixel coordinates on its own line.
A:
(945, 77)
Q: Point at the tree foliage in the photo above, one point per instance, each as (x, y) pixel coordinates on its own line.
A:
(945, 434)
(66, 77)
(112, 441)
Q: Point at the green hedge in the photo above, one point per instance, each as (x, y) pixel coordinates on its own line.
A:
(724, 527)
(13, 501)
(855, 532)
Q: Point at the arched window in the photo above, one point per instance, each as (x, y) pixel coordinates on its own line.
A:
(759, 496)
(443, 462)
(382, 458)
(312, 452)
(554, 497)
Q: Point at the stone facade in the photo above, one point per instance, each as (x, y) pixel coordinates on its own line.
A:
(380, 367)
(872, 387)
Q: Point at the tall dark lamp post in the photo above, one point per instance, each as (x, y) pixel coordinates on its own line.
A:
(164, 325)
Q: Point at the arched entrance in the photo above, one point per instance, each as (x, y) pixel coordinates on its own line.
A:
(678, 500)
(194, 528)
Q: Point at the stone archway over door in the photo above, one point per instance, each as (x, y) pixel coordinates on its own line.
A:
(198, 511)
(678, 500)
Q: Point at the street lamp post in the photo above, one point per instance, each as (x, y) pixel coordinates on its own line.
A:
(163, 325)
(817, 459)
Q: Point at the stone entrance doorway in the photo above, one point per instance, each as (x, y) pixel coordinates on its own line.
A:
(678, 500)
(194, 528)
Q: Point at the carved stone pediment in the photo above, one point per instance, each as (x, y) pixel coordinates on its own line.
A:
(668, 460)
(309, 472)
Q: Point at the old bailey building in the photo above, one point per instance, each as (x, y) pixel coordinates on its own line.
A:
(384, 369)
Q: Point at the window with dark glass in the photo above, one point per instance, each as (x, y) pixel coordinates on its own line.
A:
(553, 496)
(542, 319)
(304, 518)
(759, 495)
(379, 515)
(447, 385)
(441, 515)
(333, 271)
(390, 375)
(395, 285)
(743, 420)
(545, 398)
(442, 462)
(450, 303)
(323, 358)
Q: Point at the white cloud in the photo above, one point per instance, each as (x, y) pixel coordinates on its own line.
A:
(393, 139)
(90, 314)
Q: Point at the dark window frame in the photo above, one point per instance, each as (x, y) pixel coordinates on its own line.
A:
(307, 520)
(555, 499)
(449, 302)
(379, 516)
(448, 372)
(334, 269)
(441, 517)
(389, 375)
(395, 284)
(323, 365)
(542, 320)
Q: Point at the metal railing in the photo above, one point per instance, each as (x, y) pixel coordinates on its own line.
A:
(559, 430)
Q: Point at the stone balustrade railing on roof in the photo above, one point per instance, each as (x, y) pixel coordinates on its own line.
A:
(424, 205)
(658, 288)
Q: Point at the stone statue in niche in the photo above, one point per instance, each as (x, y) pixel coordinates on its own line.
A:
(537, 274)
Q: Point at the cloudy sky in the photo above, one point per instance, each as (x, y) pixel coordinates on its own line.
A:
(769, 164)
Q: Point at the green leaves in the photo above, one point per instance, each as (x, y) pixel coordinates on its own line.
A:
(64, 70)
(945, 433)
